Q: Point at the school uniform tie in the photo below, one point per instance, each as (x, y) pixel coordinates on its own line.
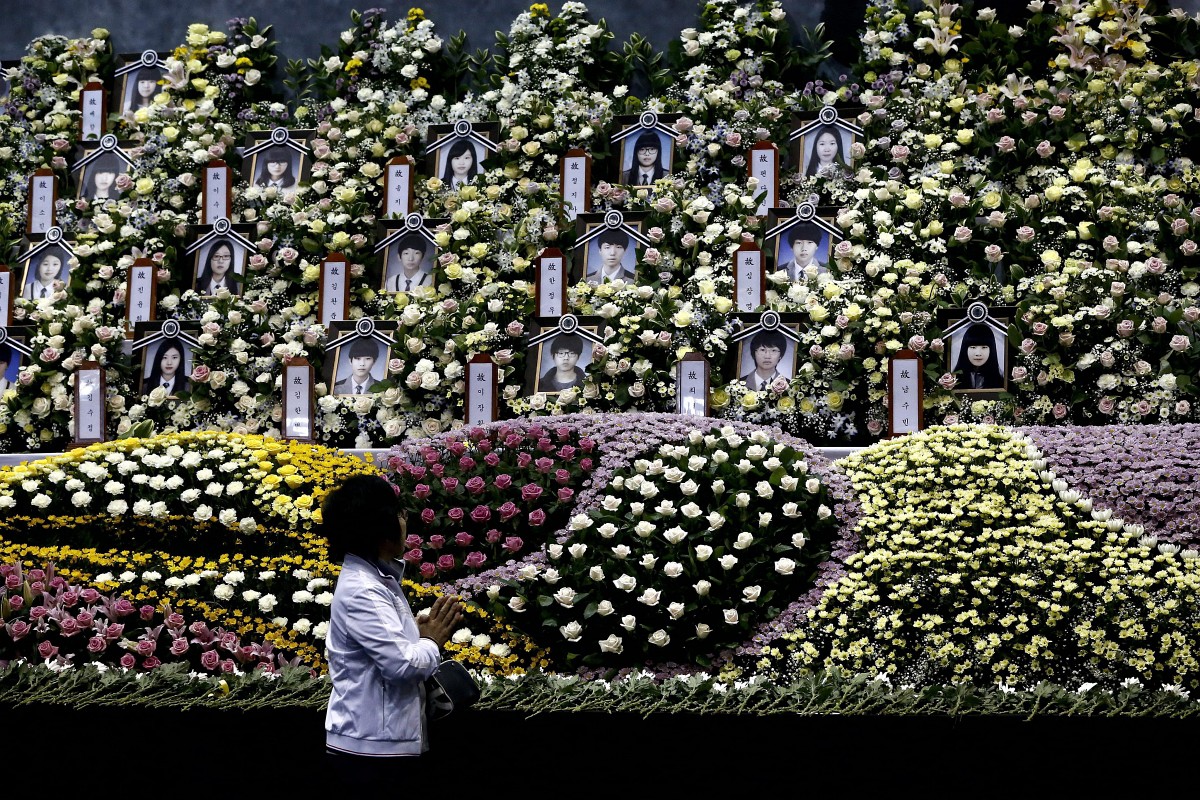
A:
(407, 284)
(43, 291)
(762, 386)
(358, 389)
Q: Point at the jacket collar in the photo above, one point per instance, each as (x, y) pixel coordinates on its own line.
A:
(385, 569)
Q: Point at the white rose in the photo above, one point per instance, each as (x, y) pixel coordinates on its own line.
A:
(675, 610)
(702, 588)
(785, 566)
(727, 561)
(703, 552)
(611, 645)
(625, 583)
(813, 485)
(673, 569)
(596, 573)
(650, 597)
(743, 541)
(702, 631)
(659, 638)
(629, 622)
(750, 593)
(604, 608)
(731, 616)
(565, 597)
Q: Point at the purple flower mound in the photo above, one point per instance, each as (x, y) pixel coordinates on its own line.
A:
(1146, 474)
(615, 441)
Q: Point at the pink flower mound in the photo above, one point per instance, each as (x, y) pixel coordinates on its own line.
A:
(1146, 474)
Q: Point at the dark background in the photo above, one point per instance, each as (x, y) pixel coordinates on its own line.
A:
(301, 26)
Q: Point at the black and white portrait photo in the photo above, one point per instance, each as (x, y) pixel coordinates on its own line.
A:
(408, 263)
(459, 161)
(220, 264)
(800, 247)
(98, 178)
(359, 366)
(278, 167)
(139, 89)
(825, 151)
(611, 256)
(42, 270)
(166, 364)
(561, 362)
(646, 157)
(764, 358)
(978, 358)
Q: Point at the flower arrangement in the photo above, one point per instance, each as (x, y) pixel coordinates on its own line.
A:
(45, 619)
(1011, 575)
(1060, 185)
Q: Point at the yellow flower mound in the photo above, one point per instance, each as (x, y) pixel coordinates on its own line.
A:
(977, 566)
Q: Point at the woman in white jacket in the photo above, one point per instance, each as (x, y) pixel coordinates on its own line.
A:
(379, 655)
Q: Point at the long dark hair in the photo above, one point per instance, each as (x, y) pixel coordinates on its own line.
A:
(980, 334)
(231, 276)
(839, 157)
(106, 162)
(155, 376)
(276, 153)
(359, 515)
(456, 149)
(143, 74)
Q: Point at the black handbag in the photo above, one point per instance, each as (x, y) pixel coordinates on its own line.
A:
(450, 688)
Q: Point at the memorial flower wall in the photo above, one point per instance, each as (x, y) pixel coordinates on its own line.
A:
(1058, 183)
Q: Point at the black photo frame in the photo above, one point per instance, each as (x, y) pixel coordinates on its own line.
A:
(164, 351)
(358, 340)
(832, 131)
(577, 336)
(808, 229)
(450, 143)
(598, 236)
(965, 332)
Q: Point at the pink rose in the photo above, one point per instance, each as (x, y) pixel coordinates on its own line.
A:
(656, 234)
(531, 492)
(947, 381)
(962, 234)
(1159, 325)
(1142, 408)
(1107, 405)
(537, 517)
(1019, 374)
(1182, 408)
(1125, 328)
(1040, 328)
(179, 646)
(128, 661)
(1025, 233)
(513, 544)
(733, 139)
(993, 253)
(1188, 247)
(200, 373)
(481, 514)
(445, 562)
(50, 354)
(1110, 244)
(1179, 343)
(507, 511)
(18, 630)
(474, 560)
(515, 329)
(97, 644)
(1006, 144)
(1057, 113)
(413, 556)
(1044, 149)
(899, 153)
(937, 346)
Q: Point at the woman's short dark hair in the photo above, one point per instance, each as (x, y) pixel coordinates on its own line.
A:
(359, 515)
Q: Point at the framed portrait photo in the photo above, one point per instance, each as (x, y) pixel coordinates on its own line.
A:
(977, 353)
(278, 162)
(45, 263)
(801, 240)
(96, 173)
(407, 255)
(9, 68)
(138, 81)
(14, 349)
(823, 142)
(457, 151)
(767, 350)
(356, 356)
(164, 352)
(606, 246)
(219, 263)
(645, 148)
(560, 354)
